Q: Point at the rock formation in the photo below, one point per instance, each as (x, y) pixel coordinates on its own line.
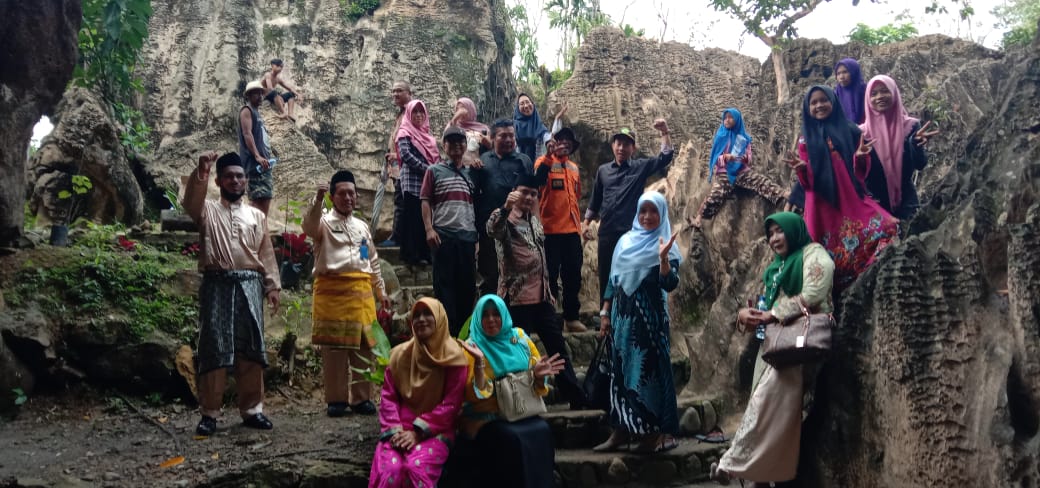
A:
(935, 380)
(39, 40)
(200, 54)
(85, 141)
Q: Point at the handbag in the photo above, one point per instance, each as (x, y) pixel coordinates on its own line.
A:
(804, 339)
(516, 397)
(597, 376)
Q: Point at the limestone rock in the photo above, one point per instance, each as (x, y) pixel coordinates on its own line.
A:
(201, 53)
(618, 472)
(85, 141)
(39, 53)
(691, 422)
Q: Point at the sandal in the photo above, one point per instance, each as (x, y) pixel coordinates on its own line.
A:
(714, 437)
(614, 443)
(661, 443)
(718, 475)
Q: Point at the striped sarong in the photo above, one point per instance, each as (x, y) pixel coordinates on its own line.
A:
(344, 310)
(231, 319)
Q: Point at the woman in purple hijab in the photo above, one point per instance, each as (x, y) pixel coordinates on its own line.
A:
(851, 89)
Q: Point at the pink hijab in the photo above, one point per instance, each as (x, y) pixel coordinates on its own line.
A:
(470, 122)
(420, 136)
(889, 130)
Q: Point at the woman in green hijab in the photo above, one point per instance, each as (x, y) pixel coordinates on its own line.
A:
(765, 447)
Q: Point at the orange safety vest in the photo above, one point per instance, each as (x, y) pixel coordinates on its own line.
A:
(558, 206)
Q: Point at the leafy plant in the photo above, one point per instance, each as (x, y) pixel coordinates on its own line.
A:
(136, 131)
(355, 9)
(80, 186)
(526, 41)
(630, 31)
(375, 373)
(1020, 17)
(885, 34)
(19, 396)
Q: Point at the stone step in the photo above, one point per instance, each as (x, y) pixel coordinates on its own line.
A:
(577, 429)
(682, 466)
(391, 254)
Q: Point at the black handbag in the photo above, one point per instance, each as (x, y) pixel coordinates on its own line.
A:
(597, 377)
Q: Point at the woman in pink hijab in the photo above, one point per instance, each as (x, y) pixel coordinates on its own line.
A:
(898, 141)
(477, 140)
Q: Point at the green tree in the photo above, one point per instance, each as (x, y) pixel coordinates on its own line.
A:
(110, 41)
(882, 35)
(526, 43)
(575, 18)
(1020, 17)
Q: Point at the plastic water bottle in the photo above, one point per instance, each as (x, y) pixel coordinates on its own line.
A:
(738, 146)
(760, 331)
(364, 248)
(270, 165)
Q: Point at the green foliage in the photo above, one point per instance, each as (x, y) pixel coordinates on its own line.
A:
(576, 18)
(110, 41)
(1020, 17)
(19, 396)
(355, 9)
(526, 43)
(96, 284)
(630, 31)
(29, 219)
(171, 196)
(882, 35)
(376, 370)
(134, 136)
(293, 313)
(80, 186)
(962, 7)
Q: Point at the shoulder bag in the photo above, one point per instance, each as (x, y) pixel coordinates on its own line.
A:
(517, 399)
(803, 339)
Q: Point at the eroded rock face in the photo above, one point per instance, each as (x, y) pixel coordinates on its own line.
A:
(201, 54)
(934, 380)
(85, 141)
(39, 40)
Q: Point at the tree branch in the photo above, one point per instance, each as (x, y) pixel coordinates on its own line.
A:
(785, 25)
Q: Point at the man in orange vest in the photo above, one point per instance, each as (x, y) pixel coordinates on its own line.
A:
(561, 219)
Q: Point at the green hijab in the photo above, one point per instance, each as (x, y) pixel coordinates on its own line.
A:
(785, 272)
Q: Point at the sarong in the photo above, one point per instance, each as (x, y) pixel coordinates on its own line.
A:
(231, 319)
(344, 310)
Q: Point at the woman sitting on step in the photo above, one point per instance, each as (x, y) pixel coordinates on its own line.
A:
(421, 399)
(765, 447)
(635, 313)
(492, 451)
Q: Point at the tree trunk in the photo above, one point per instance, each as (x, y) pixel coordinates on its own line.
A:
(783, 88)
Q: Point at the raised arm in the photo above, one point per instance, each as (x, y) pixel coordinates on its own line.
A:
(194, 201)
(312, 219)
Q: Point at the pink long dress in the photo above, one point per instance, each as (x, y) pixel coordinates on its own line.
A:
(857, 229)
(421, 466)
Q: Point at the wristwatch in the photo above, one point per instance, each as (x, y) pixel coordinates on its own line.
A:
(603, 313)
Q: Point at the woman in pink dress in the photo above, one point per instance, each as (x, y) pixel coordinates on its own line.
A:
(833, 160)
(421, 398)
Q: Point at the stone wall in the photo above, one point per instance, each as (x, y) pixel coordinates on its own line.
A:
(201, 53)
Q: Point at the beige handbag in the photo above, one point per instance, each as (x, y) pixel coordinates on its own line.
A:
(516, 396)
(804, 339)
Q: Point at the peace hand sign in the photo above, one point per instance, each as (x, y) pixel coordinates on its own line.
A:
(864, 147)
(792, 161)
(922, 135)
(666, 246)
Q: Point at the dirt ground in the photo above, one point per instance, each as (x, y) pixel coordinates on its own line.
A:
(86, 438)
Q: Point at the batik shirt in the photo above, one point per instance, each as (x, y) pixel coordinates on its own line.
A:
(522, 276)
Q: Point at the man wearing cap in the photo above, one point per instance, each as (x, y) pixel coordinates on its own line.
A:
(451, 233)
(239, 270)
(282, 101)
(254, 148)
(493, 179)
(523, 280)
(346, 274)
(615, 194)
(560, 185)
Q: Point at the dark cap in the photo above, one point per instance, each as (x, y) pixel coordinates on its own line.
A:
(626, 133)
(526, 179)
(276, 62)
(341, 176)
(567, 133)
(228, 159)
(452, 132)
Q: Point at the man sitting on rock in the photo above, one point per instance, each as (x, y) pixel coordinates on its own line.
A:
(254, 148)
(282, 101)
(239, 270)
(523, 281)
(346, 273)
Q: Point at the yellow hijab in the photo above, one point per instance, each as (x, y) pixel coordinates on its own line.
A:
(418, 369)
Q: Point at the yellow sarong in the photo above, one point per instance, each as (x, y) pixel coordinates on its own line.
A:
(344, 310)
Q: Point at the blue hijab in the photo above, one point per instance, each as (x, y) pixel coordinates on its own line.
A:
(637, 251)
(724, 138)
(530, 131)
(506, 352)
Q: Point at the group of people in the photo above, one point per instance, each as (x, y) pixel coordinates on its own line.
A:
(486, 210)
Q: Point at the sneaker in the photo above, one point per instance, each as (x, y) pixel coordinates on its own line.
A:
(364, 408)
(574, 326)
(207, 426)
(336, 409)
(258, 421)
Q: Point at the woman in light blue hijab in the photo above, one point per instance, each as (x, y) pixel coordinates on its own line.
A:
(635, 316)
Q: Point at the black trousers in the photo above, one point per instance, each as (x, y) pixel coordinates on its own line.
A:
(454, 280)
(563, 256)
(398, 212)
(487, 266)
(541, 319)
(605, 253)
(411, 232)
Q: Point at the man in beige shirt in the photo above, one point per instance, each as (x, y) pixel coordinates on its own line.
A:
(239, 270)
(347, 281)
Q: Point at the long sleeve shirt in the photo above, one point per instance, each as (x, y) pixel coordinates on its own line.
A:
(338, 240)
(413, 166)
(817, 280)
(617, 190)
(481, 405)
(523, 278)
(233, 235)
(395, 416)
